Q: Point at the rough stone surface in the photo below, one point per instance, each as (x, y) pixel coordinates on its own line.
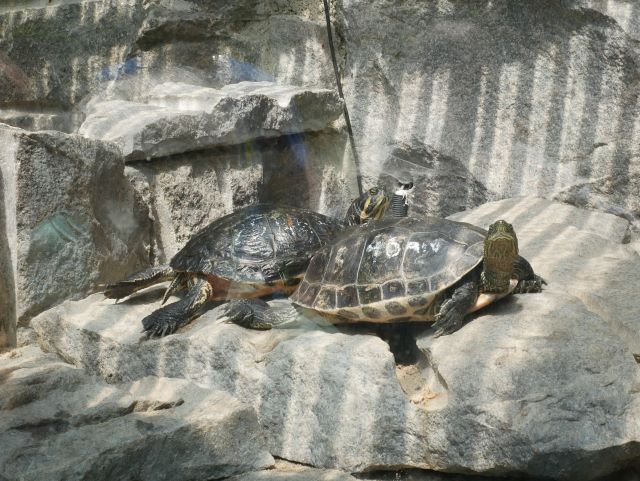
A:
(134, 44)
(543, 385)
(178, 117)
(71, 219)
(442, 185)
(186, 192)
(625, 12)
(26, 337)
(579, 252)
(286, 471)
(58, 423)
(532, 98)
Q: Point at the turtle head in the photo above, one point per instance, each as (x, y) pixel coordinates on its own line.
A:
(373, 204)
(500, 252)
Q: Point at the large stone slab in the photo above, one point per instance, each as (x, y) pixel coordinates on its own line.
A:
(70, 220)
(532, 98)
(178, 117)
(58, 423)
(543, 385)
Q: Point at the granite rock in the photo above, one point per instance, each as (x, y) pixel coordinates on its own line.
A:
(71, 219)
(59, 423)
(131, 45)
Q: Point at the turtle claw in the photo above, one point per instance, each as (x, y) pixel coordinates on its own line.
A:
(448, 320)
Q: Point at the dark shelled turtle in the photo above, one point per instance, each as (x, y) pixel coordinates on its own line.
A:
(429, 269)
(253, 252)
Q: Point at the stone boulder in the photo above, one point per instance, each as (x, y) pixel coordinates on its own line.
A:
(70, 220)
(538, 385)
(178, 117)
(58, 423)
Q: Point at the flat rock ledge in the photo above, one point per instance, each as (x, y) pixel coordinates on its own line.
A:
(544, 385)
(59, 423)
(178, 117)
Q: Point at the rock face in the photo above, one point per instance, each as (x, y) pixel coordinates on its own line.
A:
(186, 192)
(543, 385)
(134, 44)
(625, 12)
(525, 99)
(532, 99)
(59, 423)
(442, 185)
(70, 217)
(178, 117)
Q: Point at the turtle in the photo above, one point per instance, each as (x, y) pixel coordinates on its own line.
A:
(409, 269)
(253, 252)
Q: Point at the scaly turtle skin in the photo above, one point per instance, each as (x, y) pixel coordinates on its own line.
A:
(410, 270)
(253, 252)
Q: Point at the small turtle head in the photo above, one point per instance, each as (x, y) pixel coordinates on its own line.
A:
(500, 252)
(373, 204)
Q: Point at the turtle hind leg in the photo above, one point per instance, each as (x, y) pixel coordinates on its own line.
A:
(169, 318)
(138, 281)
(528, 281)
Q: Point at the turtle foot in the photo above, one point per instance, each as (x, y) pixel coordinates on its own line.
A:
(171, 317)
(167, 320)
(528, 286)
(449, 319)
(249, 313)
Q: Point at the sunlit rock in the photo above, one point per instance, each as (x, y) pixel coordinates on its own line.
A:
(285, 471)
(178, 117)
(70, 220)
(531, 98)
(539, 384)
(58, 423)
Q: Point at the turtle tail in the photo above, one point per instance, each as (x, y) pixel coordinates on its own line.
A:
(138, 281)
(169, 318)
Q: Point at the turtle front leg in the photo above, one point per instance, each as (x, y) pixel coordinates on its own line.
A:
(171, 317)
(138, 281)
(450, 316)
(528, 281)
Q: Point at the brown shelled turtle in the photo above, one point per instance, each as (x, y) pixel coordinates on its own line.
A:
(398, 270)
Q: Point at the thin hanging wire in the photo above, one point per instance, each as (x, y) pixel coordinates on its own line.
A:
(352, 142)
